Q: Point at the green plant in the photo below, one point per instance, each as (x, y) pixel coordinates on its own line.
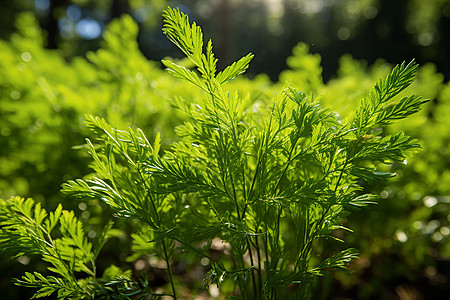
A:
(269, 182)
(410, 251)
(59, 239)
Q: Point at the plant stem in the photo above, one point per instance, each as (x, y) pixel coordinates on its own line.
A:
(289, 160)
(259, 263)
(243, 286)
(158, 222)
(253, 271)
(308, 245)
(169, 270)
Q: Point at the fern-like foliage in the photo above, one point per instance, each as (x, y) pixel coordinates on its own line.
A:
(269, 182)
(379, 109)
(58, 238)
(27, 229)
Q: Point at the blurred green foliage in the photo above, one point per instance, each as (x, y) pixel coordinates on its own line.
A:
(404, 240)
(368, 29)
(45, 98)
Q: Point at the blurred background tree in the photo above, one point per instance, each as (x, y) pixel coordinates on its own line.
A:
(366, 29)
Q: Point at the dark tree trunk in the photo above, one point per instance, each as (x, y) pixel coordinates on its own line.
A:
(52, 23)
(119, 7)
(223, 49)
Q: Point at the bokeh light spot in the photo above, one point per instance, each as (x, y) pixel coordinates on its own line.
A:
(24, 260)
(82, 206)
(204, 261)
(425, 39)
(42, 4)
(88, 29)
(311, 7)
(66, 27)
(140, 265)
(74, 12)
(444, 230)
(401, 236)
(5, 131)
(26, 56)
(430, 201)
(15, 95)
(141, 14)
(371, 12)
(343, 33)
(436, 237)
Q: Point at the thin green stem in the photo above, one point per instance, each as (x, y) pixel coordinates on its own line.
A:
(251, 187)
(253, 271)
(277, 236)
(243, 286)
(169, 269)
(289, 160)
(312, 237)
(158, 222)
(265, 143)
(258, 252)
(235, 196)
